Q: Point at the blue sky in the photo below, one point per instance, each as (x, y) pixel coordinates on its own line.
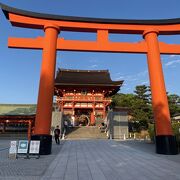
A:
(20, 69)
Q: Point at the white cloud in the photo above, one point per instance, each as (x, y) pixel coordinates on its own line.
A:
(120, 77)
(93, 60)
(143, 73)
(127, 89)
(169, 57)
(134, 79)
(170, 63)
(172, 55)
(131, 77)
(144, 82)
(117, 73)
(137, 77)
(94, 66)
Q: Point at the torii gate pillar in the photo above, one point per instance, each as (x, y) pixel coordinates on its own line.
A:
(165, 141)
(46, 90)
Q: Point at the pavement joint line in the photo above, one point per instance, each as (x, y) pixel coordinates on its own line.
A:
(4, 149)
(93, 159)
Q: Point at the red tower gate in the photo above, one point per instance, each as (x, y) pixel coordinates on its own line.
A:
(53, 24)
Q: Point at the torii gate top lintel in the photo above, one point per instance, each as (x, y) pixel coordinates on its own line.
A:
(29, 19)
(103, 27)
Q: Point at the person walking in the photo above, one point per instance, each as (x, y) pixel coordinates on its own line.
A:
(57, 134)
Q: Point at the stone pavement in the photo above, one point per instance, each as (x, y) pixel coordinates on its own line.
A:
(94, 160)
(23, 169)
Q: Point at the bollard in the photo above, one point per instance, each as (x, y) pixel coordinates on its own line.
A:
(124, 137)
(63, 136)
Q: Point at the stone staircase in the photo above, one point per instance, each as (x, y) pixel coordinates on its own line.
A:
(13, 135)
(85, 132)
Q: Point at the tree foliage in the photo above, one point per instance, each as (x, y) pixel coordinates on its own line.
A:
(143, 92)
(142, 112)
(123, 100)
(140, 105)
(174, 104)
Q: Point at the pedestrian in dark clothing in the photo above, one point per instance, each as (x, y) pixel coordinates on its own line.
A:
(57, 134)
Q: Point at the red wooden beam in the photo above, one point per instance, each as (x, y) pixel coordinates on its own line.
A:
(92, 46)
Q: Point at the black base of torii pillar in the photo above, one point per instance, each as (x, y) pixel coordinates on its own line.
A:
(166, 145)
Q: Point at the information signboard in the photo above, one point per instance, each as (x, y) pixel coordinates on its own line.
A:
(13, 147)
(23, 147)
(13, 150)
(34, 147)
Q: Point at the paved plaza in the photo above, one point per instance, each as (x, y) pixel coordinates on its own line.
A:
(93, 160)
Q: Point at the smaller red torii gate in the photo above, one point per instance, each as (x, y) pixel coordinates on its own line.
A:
(18, 119)
(53, 24)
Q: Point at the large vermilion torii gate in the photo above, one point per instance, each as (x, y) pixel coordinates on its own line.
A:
(53, 24)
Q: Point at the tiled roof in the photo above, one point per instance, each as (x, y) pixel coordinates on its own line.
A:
(17, 109)
(85, 77)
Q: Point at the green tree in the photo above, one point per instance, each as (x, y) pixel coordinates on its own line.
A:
(142, 108)
(123, 100)
(139, 105)
(174, 104)
(143, 92)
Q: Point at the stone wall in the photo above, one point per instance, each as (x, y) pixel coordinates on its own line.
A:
(56, 121)
(118, 125)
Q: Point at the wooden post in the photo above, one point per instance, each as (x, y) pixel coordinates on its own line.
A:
(29, 130)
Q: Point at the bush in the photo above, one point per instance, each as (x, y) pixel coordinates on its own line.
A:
(175, 128)
(151, 132)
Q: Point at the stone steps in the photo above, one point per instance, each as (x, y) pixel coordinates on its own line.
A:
(10, 135)
(85, 132)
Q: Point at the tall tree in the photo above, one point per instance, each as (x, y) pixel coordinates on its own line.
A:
(142, 109)
(123, 100)
(140, 105)
(142, 92)
(174, 104)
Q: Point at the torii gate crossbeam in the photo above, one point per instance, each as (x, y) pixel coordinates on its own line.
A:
(50, 43)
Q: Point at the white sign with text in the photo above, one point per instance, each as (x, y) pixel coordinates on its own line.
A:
(13, 147)
(34, 147)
